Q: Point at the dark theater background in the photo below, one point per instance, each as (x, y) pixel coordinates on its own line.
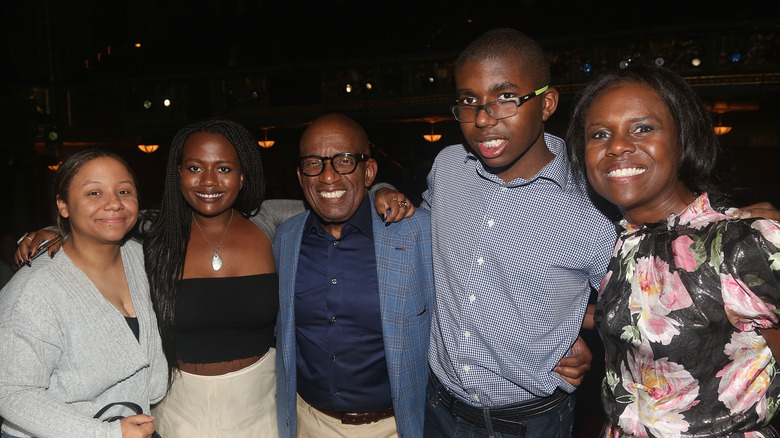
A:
(127, 75)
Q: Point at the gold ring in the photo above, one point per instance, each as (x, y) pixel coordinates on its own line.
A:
(403, 204)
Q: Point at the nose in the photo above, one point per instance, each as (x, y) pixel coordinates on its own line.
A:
(113, 202)
(620, 145)
(329, 174)
(208, 178)
(484, 118)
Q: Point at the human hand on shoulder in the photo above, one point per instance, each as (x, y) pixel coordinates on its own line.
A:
(29, 243)
(392, 205)
(762, 209)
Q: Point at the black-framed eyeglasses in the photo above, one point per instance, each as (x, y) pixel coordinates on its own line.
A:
(343, 163)
(498, 109)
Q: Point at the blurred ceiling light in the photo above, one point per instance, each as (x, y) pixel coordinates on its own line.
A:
(432, 137)
(720, 129)
(148, 148)
(266, 143)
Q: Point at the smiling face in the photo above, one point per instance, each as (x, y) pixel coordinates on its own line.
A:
(102, 202)
(210, 174)
(332, 196)
(512, 147)
(632, 153)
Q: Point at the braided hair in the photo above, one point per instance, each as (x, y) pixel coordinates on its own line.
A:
(167, 236)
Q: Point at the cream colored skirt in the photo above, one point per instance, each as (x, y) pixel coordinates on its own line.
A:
(240, 404)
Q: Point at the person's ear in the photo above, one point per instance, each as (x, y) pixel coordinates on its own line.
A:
(62, 207)
(371, 170)
(549, 103)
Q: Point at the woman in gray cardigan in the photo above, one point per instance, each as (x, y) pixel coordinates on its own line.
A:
(78, 332)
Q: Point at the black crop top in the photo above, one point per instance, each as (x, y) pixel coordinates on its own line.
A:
(221, 319)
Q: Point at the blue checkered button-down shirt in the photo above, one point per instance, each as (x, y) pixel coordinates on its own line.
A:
(513, 266)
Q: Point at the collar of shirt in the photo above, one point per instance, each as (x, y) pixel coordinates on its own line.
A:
(360, 221)
(556, 170)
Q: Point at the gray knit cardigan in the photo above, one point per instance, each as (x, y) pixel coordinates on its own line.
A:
(65, 351)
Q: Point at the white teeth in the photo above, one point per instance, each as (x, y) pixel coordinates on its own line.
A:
(334, 194)
(492, 143)
(210, 195)
(629, 171)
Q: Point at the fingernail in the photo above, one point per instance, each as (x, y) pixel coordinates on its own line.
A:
(51, 256)
(29, 263)
(29, 254)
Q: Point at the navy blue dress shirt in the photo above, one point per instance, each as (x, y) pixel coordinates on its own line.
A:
(340, 355)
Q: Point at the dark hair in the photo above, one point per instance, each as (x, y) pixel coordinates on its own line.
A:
(699, 146)
(165, 243)
(505, 43)
(68, 170)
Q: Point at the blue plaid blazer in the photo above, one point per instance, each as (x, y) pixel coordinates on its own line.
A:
(405, 276)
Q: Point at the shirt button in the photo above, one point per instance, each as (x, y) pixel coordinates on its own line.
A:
(466, 368)
(332, 319)
(476, 397)
(337, 393)
(472, 298)
(480, 260)
(333, 281)
(490, 223)
(335, 243)
(333, 357)
(503, 189)
(467, 335)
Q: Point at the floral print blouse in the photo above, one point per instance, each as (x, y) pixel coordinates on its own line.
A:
(679, 311)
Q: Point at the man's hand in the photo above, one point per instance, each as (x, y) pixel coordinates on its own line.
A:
(762, 209)
(572, 368)
(29, 243)
(396, 202)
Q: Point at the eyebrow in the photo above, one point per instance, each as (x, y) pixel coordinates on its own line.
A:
(495, 88)
(198, 160)
(124, 181)
(633, 120)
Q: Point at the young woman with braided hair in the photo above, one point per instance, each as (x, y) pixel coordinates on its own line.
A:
(214, 285)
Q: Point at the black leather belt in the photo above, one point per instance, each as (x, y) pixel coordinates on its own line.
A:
(505, 419)
(358, 417)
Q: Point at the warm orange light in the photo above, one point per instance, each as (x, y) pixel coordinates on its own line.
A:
(722, 130)
(266, 143)
(432, 137)
(148, 148)
(54, 167)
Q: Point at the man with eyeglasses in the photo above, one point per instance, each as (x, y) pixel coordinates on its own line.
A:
(355, 295)
(517, 247)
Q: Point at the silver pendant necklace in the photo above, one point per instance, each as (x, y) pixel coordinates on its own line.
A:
(216, 260)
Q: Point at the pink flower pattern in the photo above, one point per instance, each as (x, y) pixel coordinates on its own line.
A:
(745, 379)
(679, 312)
(655, 292)
(661, 391)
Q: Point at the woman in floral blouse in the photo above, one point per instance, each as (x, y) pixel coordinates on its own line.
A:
(688, 309)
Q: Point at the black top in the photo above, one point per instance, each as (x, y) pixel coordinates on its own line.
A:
(222, 319)
(133, 323)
